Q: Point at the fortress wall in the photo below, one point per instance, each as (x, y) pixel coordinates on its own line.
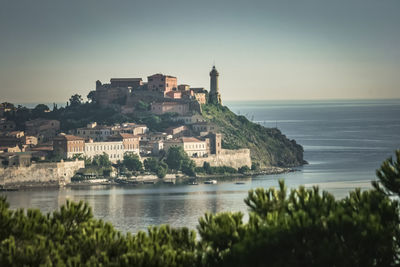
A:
(40, 174)
(233, 158)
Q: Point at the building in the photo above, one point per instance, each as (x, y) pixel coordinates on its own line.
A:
(133, 83)
(43, 129)
(174, 94)
(132, 128)
(189, 119)
(130, 142)
(6, 125)
(109, 95)
(29, 140)
(194, 147)
(177, 131)
(11, 149)
(215, 143)
(115, 146)
(204, 127)
(181, 108)
(200, 94)
(68, 145)
(20, 159)
(161, 83)
(214, 97)
(183, 87)
(114, 149)
(96, 132)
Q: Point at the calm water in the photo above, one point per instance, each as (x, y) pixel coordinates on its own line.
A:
(344, 142)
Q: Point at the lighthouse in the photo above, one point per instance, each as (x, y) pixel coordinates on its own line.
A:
(215, 96)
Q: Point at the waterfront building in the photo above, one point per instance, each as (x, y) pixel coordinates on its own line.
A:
(193, 146)
(68, 145)
(114, 149)
(115, 146)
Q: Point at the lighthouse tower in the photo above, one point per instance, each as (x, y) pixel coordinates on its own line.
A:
(214, 97)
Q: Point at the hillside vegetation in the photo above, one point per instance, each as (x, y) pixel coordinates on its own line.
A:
(268, 146)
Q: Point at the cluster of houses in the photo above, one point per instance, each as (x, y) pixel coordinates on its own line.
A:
(42, 137)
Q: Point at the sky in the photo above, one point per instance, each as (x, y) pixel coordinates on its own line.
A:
(263, 50)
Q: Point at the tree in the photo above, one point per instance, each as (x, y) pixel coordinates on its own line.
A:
(102, 161)
(92, 96)
(188, 167)
(86, 159)
(244, 169)
(40, 109)
(162, 170)
(389, 176)
(142, 106)
(75, 100)
(175, 157)
(207, 167)
(255, 166)
(132, 162)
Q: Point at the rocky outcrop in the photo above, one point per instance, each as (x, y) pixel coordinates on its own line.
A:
(268, 146)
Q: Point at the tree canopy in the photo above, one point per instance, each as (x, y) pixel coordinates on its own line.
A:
(75, 100)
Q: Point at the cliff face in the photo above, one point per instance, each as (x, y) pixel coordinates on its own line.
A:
(268, 146)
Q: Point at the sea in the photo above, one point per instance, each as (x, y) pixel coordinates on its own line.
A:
(344, 142)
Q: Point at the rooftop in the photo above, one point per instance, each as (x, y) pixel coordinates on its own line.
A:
(68, 137)
(125, 79)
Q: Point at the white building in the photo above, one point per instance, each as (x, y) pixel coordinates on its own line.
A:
(192, 146)
(95, 132)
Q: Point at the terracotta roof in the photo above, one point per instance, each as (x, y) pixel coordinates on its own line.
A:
(42, 148)
(127, 135)
(69, 137)
(190, 140)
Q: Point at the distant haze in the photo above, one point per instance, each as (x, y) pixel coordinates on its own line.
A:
(309, 49)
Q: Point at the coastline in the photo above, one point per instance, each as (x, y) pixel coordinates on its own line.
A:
(148, 180)
(179, 179)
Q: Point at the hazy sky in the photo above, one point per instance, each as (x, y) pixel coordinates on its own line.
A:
(281, 49)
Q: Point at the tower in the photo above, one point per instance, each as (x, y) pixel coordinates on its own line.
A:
(214, 97)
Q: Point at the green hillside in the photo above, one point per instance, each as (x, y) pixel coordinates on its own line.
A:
(268, 146)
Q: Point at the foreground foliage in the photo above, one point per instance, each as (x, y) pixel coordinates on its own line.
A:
(303, 227)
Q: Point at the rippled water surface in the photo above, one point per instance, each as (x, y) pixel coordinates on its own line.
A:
(344, 142)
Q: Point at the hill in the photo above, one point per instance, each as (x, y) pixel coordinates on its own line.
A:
(268, 146)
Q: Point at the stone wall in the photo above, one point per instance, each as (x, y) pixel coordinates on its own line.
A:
(40, 174)
(233, 158)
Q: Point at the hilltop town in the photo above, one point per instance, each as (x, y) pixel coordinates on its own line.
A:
(129, 119)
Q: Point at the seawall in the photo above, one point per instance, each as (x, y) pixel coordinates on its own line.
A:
(40, 174)
(233, 158)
